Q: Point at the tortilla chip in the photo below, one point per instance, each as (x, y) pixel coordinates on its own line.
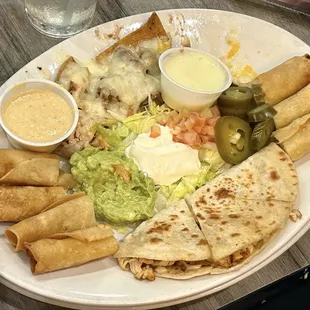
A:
(63, 67)
(153, 28)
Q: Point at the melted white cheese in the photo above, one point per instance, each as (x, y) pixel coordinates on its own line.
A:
(163, 159)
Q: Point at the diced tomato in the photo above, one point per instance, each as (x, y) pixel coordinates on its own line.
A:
(190, 137)
(188, 124)
(210, 131)
(204, 139)
(155, 131)
(199, 121)
(212, 121)
(191, 128)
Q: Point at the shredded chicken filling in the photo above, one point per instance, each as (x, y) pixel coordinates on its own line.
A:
(147, 268)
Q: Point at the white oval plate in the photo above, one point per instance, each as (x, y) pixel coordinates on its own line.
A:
(102, 284)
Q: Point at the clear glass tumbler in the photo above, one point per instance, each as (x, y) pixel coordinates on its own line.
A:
(60, 18)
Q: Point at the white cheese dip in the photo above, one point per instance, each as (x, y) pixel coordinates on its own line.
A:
(194, 70)
(38, 116)
(161, 158)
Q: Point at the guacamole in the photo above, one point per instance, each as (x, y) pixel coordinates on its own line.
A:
(121, 193)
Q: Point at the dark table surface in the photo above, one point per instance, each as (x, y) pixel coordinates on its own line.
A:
(20, 43)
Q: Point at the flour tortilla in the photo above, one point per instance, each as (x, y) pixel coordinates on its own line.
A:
(152, 29)
(71, 215)
(293, 108)
(267, 175)
(248, 204)
(28, 168)
(64, 250)
(170, 237)
(294, 138)
(285, 79)
(20, 202)
(232, 224)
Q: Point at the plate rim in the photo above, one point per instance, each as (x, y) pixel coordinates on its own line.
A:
(67, 301)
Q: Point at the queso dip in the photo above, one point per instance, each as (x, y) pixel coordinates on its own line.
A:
(38, 116)
(194, 70)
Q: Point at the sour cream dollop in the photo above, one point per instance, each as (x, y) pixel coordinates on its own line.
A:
(161, 158)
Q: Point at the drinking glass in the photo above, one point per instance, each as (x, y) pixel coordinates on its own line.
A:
(60, 18)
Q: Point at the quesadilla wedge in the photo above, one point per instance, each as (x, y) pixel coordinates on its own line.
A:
(267, 175)
(242, 209)
(169, 245)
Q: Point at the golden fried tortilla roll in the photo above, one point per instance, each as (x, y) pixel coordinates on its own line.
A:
(20, 202)
(285, 79)
(28, 168)
(66, 250)
(294, 138)
(292, 108)
(71, 215)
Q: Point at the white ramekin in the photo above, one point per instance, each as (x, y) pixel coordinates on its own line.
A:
(17, 89)
(180, 97)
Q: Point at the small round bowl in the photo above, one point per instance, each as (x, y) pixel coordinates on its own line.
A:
(180, 97)
(17, 89)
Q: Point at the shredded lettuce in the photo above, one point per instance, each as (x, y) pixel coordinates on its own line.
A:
(188, 184)
(114, 136)
(212, 158)
(142, 122)
(212, 165)
(120, 135)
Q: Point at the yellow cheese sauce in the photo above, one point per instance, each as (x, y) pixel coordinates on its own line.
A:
(194, 70)
(38, 116)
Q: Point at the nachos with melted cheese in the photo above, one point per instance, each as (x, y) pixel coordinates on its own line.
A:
(113, 87)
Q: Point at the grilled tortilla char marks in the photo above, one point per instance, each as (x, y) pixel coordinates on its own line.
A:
(269, 162)
(177, 246)
(243, 207)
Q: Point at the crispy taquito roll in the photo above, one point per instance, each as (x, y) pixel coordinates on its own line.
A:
(294, 138)
(285, 79)
(20, 202)
(292, 108)
(71, 215)
(65, 250)
(28, 168)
